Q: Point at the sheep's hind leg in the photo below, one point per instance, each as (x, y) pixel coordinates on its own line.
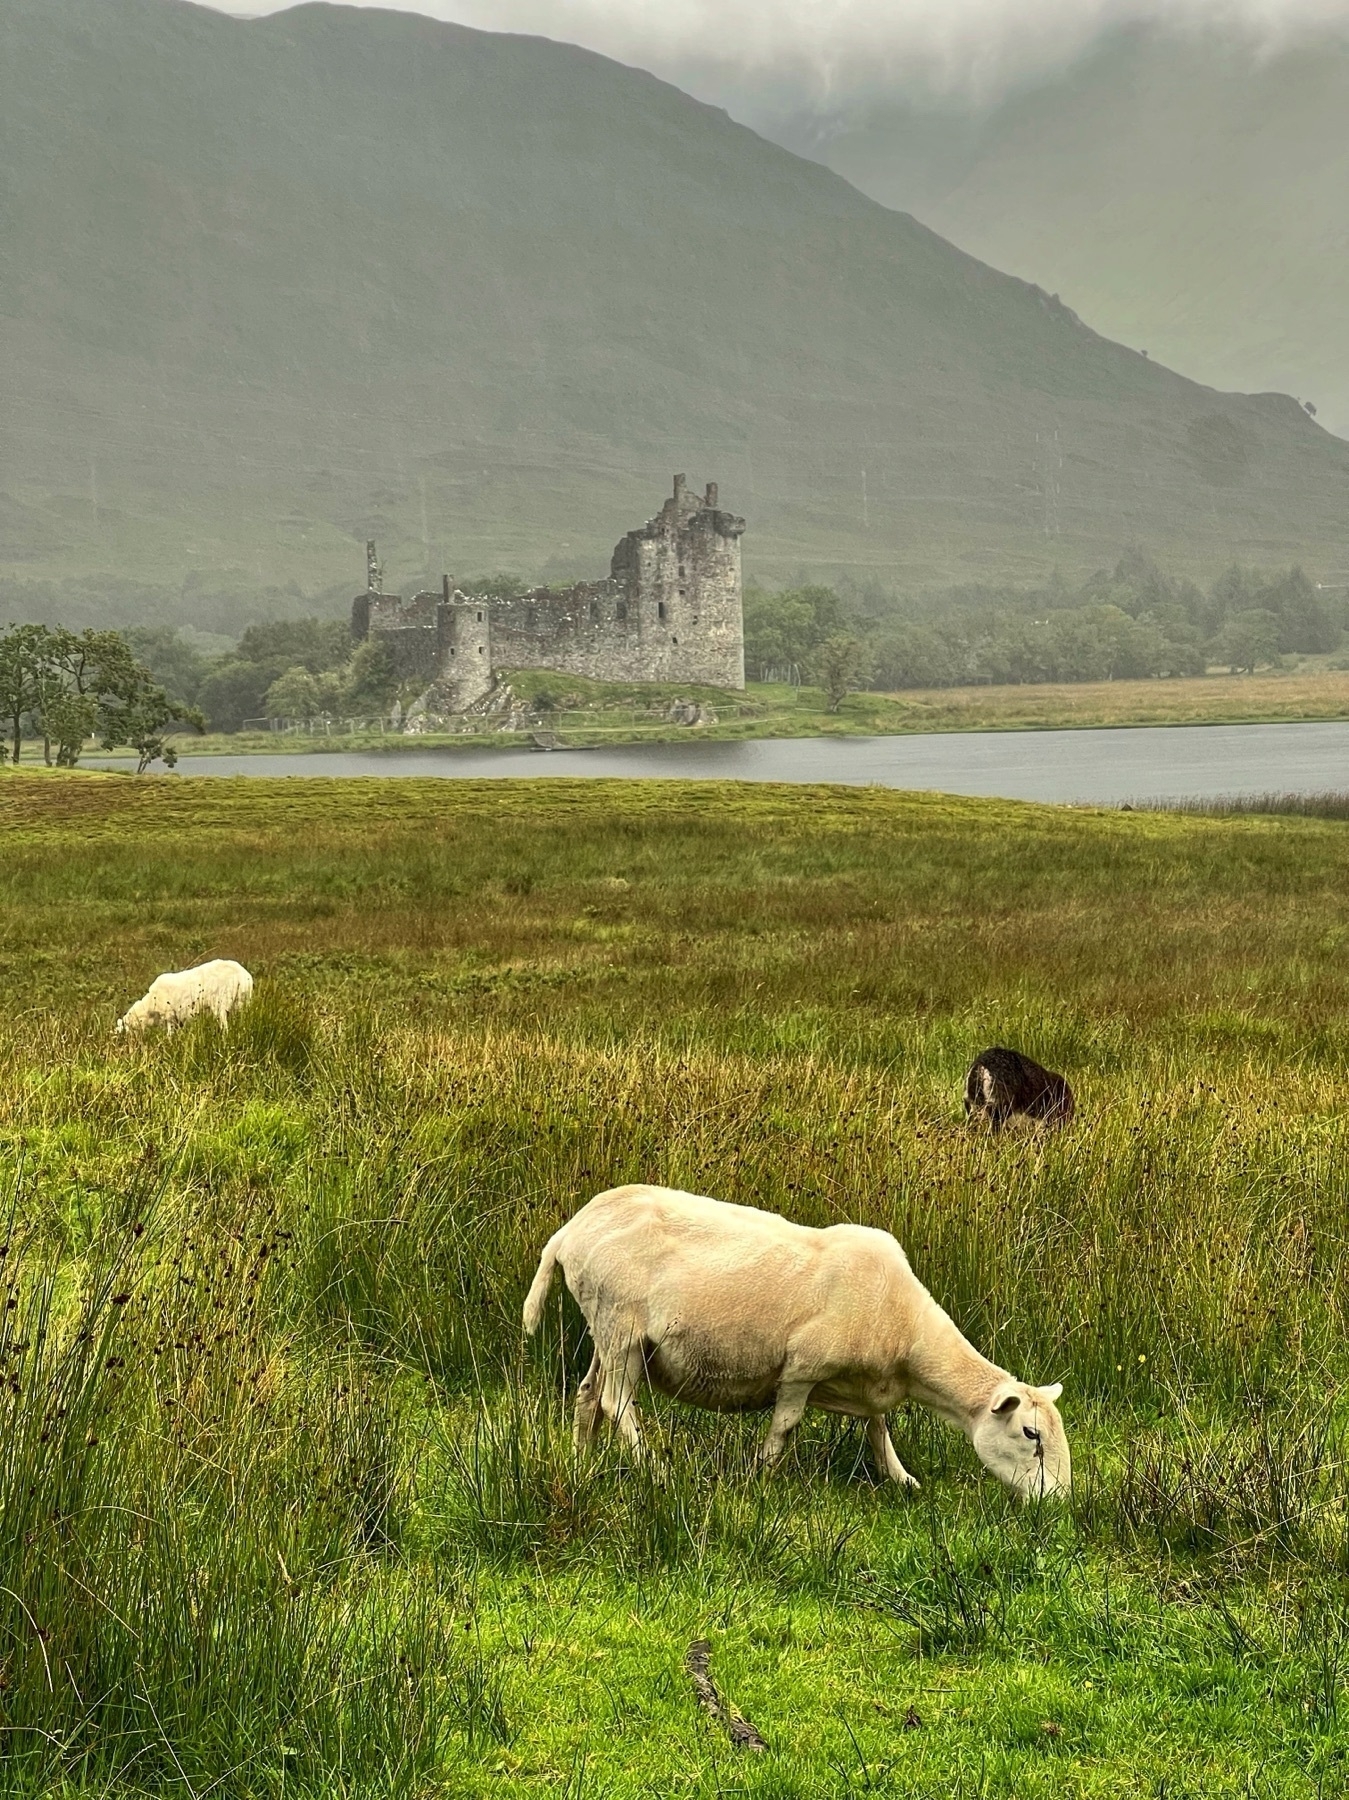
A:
(878, 1437)
(586, 1420)
(792, 1399)
(622, 1370)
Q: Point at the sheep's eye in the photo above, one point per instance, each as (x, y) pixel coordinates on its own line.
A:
(1029, 1431)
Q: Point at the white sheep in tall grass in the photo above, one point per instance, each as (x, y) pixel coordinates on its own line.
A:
(734, 1309)
(218, 987)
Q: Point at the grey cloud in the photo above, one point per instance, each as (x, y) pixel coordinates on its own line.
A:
(763, 56)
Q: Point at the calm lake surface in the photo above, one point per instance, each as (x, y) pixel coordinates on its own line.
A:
(1091, 767)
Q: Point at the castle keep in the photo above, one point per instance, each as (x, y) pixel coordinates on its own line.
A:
(670, 610)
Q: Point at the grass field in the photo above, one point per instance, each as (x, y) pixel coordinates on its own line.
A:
(286, 1507)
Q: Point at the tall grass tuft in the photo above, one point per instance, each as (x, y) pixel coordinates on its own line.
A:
(1332, 803)
(188, 1521)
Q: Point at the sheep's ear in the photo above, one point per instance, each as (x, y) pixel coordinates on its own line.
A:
(1007, 1405)
(1052, 1392)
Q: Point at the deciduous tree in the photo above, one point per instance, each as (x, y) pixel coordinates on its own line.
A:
(26, 655)
(840, 666)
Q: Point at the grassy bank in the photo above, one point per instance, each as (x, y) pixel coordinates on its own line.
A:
(582, 712)
(287, 1509)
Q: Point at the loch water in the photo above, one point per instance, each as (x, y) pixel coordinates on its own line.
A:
(1086, 767)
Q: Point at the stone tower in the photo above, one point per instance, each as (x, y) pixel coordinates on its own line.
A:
(463, 650)
(681, 572)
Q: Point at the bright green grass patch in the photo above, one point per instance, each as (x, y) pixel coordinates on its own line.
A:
(286, 1506)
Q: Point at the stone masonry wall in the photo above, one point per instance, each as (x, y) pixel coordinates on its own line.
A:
(406, 628)
(682, 573)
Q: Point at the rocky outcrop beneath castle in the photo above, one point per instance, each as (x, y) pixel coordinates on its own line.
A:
(499, 709)
(670, 611)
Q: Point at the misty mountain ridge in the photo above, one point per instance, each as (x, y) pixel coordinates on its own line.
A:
(1186, 192)
(271, 288)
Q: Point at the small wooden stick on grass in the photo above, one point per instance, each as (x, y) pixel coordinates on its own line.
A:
(698, 1664)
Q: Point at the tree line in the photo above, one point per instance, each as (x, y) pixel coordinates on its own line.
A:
(283, 669)
(69, 688)
(1130, 622)
(127, 687)
(296, 669)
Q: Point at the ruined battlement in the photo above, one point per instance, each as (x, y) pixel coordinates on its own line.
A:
(670, 610)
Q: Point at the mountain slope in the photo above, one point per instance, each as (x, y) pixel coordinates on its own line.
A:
(1184, 194)
(270, 287)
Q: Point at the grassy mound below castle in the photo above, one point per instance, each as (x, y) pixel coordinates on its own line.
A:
(287, 1508)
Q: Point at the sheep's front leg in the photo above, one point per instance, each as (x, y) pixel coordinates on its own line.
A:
(792, 1399)
(884, 1452)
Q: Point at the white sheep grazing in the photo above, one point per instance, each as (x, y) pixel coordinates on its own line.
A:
(734, 1309)
(217, 987)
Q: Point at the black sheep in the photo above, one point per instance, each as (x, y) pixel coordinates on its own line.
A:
(1003, 1085)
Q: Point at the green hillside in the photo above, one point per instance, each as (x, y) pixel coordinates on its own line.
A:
(1183, 193)
(269, 288)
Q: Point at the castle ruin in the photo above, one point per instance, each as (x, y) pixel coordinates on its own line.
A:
(670, 610)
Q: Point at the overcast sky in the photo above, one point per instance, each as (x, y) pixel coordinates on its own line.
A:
(760, 56)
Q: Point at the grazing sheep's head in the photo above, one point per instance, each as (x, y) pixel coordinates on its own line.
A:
(1020, 1439)
(135, 1019)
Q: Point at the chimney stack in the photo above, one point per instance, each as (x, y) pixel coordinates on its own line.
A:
(711, 499)
(679, 488)
(372, 583)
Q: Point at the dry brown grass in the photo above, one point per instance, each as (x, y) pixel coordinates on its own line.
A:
(1203, 700)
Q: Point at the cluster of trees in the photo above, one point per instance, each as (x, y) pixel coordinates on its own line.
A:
(70, 687)
(805, 631)
(1133, 621)
(298, 669)
(131, 687)
(128, 687)
(287, 668)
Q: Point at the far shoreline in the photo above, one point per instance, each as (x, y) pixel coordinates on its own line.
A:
(1304, 696)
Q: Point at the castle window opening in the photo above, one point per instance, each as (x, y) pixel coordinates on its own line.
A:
(480, 618)
(594, 612)
(621, 610)
(660, 608)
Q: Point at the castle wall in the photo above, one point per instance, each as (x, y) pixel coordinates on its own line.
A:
(592, 629)
(406, 628)
(670, 611)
